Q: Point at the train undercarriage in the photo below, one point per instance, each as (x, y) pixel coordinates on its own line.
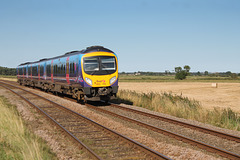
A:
(82, 94)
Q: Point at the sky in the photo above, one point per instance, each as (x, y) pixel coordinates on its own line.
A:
(147, 35)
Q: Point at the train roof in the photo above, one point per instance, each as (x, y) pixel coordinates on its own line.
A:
(84, 51)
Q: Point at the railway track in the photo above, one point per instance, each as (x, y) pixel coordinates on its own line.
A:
(205, 146)
(99, 141)
(181, 123)
(202, 145)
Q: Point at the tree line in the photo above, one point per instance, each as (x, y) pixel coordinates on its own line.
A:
(181, 73)
(7, 71)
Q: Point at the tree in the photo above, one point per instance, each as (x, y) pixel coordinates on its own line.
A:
(178, 69)
(187, 69)
(182, 74)
(206, 73)
(228, 73)
(7, 71)
(234, 76)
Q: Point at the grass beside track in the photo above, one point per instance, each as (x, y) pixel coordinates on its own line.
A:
(5, 76)
(16, 141)
(182, 107)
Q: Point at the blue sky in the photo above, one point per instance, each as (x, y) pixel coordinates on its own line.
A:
(147, 35)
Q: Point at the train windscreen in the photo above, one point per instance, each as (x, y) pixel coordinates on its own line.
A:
(99, 65)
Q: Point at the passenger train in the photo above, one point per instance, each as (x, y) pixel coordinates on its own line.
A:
(89, 74)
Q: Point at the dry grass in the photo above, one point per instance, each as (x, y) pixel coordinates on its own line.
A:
(16, 142)
(182, 107)
(8, 78)
(225, 96)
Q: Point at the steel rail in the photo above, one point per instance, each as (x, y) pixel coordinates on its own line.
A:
(178, 122)
(199, 144)
(188, 125)
(83, 146)
(220, 151)
(142, 147)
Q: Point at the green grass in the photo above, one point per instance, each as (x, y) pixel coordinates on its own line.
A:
(16, 141)
(182, 107)
(143, 78)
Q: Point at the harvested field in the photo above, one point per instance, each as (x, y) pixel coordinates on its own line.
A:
(224, 96)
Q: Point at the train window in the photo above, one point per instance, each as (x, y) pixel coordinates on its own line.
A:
(91, 64)
(20, 71)
(52, 68)
(24, 70)
(55, 70)
(58, 69)
(71, 68)
(29, 70)
(102, 65)
(108, 63)
(41, 70)
(49, 70)
(34, 71)
(76, 67)
(62, 69)
(67, 67)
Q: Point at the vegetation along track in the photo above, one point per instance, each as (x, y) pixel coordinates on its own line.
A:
(99, 141)
(210, 148)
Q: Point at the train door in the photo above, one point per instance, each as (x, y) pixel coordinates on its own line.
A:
(38, 71)
(31, 71)
(67, 70)
(26, 71)
(45, 70)
(23, 71)
(73, 69)
(52, 70)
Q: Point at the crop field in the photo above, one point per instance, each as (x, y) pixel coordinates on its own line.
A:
(171, 78)
(226, 95)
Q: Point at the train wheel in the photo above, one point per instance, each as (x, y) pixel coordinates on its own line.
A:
(84, 99)
(80, 97)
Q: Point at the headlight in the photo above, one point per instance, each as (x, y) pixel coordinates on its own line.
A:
(113, 79)
(89, 81)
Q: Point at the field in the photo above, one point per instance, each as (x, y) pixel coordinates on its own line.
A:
(171, 78)
(224, 96)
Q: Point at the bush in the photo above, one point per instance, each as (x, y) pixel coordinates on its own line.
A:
(234, 76)
(181, 75)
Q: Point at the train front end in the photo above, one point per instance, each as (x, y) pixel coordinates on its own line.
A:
(100, 75)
